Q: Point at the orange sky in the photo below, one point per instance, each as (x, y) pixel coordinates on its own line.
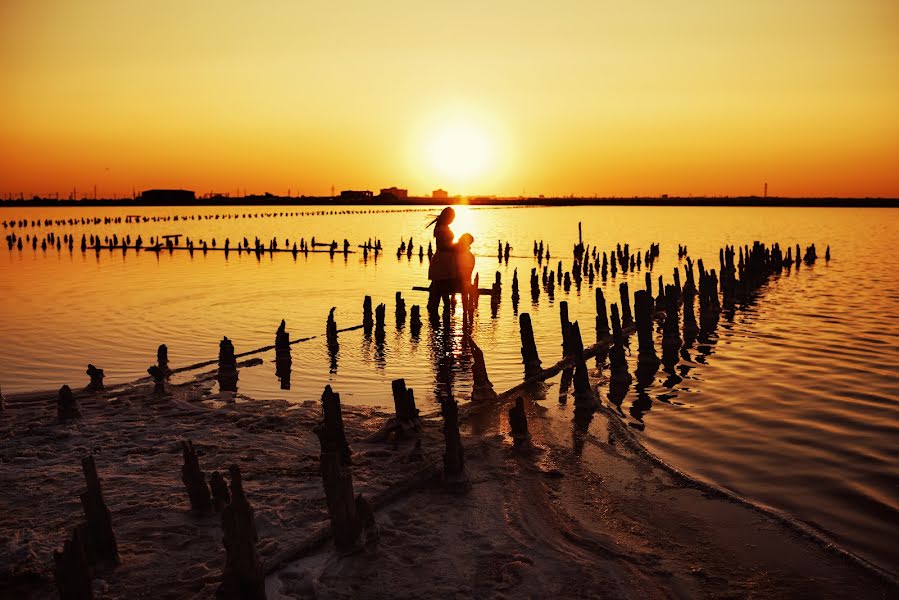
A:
(607, 98)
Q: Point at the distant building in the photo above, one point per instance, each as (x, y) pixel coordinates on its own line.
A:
(356, 194)
(398, 193)
(441, 194)
(167, 196)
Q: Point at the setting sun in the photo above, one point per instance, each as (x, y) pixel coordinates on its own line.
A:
(460, 151)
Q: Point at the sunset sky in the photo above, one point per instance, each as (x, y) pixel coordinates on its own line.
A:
(587, 98)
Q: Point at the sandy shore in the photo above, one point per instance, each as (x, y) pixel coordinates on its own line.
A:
(580, 516)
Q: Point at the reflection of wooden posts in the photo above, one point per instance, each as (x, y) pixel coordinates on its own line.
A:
(454, 473)
(602, 317)
(644, 308)
(100, 542)
(482, 390)
(96, 378)
(194, 478)
(71, 572)
(518, 425)
(627, 318)
(67, 407)
(330, 429)
(243, 578)
(532, 364)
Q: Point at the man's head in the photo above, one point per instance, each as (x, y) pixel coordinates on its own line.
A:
(466, 240)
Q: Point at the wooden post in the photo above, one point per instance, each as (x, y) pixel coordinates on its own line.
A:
(158, 379)
(415, 320)
(96, 379)
(330, 429)
(227, 371)
(367, 320)
(67, 406)
(518, 425)
(243, 577)
(71, 571)
(602, 317)
(646, 349)
(532, 364)
(400, 309)
(100, 542)
(515, 295)
(194, 478)
(406, 419)
(219, 489)
(455, 476)
(482, 390)
(616, 323)
(380, 313)
(584, 396)
(331, 329)
(627, 318)
(162, 359)
(671, 340)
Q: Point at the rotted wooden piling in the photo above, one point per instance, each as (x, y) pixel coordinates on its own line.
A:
(644, 309)
(482, 390)
(227, 366)
(616, 323)
(219, 490)
(671, 340)
(96, 379)
(331, 329)
(193, 478)
(602, 317)
(100, 542)
(162, 359)
(330, 429)
(584, 397)
(67, 407)
(455, 475)
(627, 318)
(415, 320)
(518, 425)
(243, 577)
(380, 318)
(529, 357)
(406, 417)
(158, 379)
(367, 318)
(400, 309)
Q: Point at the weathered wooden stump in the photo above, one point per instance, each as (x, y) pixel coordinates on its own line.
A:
(380, 313)
(518, 424)
(616, 323)
(482, 390)
(515, 296)
(227, 366)
(96, 378)
(627, 318)
(618, 372)
(602, 316)
(584, 396)
(400, 309)
(243, 577)
(532, 364)
(415, 320)
(671, 340)
(646, 348)
(158, 379)
(100, 543)
(71, 571)
(162, 359)
(194, 478)
(455, 476)
(219, 490)
(331, 329)
(367, 318)
(405, 420)
(330, 429)
(67, 406)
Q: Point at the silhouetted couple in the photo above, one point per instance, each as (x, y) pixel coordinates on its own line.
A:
(452, 263)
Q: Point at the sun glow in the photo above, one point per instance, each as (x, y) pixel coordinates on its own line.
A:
(459, 152)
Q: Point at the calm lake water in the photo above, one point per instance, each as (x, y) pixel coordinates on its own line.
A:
(793, 402)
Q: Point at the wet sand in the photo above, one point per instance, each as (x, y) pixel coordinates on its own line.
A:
(580, 516)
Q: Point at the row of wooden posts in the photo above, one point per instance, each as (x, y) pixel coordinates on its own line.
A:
(24, 223)
(351, 516)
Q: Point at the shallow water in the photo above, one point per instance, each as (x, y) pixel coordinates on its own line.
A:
(791, 402)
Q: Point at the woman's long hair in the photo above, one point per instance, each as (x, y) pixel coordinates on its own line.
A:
(446, 216)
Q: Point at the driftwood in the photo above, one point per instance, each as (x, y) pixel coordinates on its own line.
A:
(194, 478)
(243, 577)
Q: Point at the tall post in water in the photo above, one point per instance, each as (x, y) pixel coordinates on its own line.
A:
(602, 317)
(627, 318)
(532, 364)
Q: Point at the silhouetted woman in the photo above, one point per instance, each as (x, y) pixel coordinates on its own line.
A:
(442, 271)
